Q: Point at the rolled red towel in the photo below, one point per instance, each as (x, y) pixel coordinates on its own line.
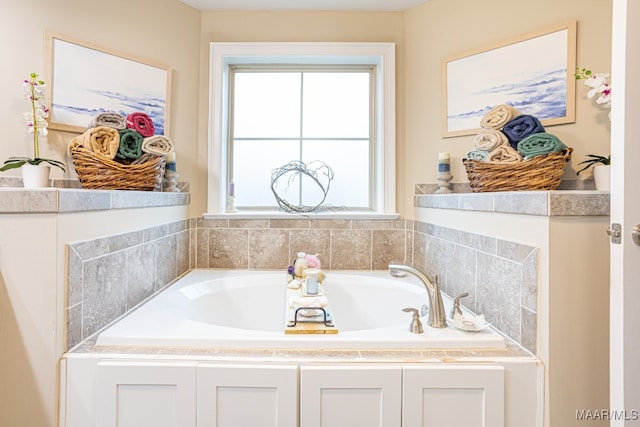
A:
(141, 123)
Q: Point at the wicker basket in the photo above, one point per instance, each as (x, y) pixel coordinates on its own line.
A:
(101, 173)
(539, 173)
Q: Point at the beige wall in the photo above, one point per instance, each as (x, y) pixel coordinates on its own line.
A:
(423, 36)
(31, 302)
(169, 32)
(163, 31)
(179, 36)
(441, 28)
(291, 27)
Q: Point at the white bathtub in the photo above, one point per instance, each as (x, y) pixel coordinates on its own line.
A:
(246, 309)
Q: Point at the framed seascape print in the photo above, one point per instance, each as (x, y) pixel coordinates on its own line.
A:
(533, 73)
(86, 80)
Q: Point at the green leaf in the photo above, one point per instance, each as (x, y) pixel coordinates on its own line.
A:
(594, 160)
(18, 162)
(12, 164)
(52, 162)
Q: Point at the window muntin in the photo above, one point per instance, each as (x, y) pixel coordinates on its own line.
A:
(280, 114)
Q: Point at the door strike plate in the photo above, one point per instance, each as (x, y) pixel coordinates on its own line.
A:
(615, 232)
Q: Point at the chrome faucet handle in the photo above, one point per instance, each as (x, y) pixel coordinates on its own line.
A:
(415, 327)
(456, 305)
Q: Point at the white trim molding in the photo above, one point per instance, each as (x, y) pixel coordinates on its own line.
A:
(226, 54)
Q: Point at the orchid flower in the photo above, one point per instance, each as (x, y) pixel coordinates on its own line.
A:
(37, 117)
(598, 82)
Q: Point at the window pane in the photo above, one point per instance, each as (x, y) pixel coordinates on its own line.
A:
(336, 105)
(266, 105)
(349, 161)
(253, 162)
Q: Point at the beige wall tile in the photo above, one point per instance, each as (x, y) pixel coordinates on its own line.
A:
(228, 248)
(268, 249)
(387, 245)
(311, 242)
(351, 249)
(290, 223)
(248, 223)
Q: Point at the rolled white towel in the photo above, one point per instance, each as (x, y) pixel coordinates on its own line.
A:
(499, 116)
(295, 301)
(110, 119)
(489, 139)
(504, 154)
(159, 145)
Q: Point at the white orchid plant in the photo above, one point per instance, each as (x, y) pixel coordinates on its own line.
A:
(36, 124)
(600, 87)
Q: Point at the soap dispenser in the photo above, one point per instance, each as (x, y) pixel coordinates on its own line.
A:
(299, 265)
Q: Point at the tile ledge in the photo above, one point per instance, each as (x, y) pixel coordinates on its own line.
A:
(285, 215)
(18, 200)
(551, 203)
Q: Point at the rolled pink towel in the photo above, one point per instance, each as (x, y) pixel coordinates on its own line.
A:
(141, 123)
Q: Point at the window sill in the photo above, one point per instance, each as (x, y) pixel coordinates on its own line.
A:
(285, 215)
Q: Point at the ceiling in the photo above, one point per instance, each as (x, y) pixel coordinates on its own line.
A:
(364, 5)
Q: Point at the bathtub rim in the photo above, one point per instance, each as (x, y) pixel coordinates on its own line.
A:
(391, 339)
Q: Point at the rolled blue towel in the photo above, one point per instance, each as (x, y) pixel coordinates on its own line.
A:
(539, 144)
(521, 127)
(479, 155)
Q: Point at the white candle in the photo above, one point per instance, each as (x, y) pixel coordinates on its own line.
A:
(171, 161)
(444, 165)
(231, 188)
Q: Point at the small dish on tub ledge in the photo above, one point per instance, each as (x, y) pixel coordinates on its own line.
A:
(470, 323)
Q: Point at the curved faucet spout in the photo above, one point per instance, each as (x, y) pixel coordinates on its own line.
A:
(437, 316)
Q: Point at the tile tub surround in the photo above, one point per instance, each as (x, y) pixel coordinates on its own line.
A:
(500, 276)
(344, 244)
(109, 276)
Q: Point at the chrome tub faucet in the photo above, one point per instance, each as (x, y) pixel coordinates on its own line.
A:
(437, 317)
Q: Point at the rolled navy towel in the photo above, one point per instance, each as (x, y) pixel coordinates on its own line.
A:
(141, 123)
(521, 127)
(499, 116)
(489, 140)
(130, 144)
(539, 144)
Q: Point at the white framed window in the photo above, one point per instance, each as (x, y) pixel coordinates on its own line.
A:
(256, 85)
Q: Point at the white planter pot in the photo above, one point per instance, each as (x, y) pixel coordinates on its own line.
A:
(35, 176)
(602, 177)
